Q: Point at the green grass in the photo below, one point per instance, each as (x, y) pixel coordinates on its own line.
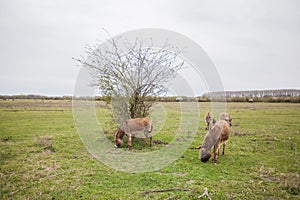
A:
(42, 156)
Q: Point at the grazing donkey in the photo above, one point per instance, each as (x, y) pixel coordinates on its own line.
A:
(215, 137)
(210, 121)
(130, 127)
(226, 117)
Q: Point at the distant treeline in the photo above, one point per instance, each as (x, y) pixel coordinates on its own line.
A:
(286, 95)
(255, 93)
(260, 99)
(33, 96)
(97, 98)
(279, 95)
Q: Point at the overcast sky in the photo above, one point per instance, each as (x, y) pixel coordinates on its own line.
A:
(254, 44)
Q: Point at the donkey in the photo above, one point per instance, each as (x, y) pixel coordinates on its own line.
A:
(226, 117)
(210, 121)
(130, 127)
(215, 137)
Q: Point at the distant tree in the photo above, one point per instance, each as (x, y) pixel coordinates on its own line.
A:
(132, 72)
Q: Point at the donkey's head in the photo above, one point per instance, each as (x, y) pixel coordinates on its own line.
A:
(228, 120)
(119, 138)
(226, 117)
(205, 154)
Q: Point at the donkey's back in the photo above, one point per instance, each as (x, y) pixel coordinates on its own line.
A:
(137, 125)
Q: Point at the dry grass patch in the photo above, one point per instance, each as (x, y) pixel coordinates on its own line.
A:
(46, 142)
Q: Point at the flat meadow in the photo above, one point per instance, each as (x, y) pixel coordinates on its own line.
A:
(42, 156)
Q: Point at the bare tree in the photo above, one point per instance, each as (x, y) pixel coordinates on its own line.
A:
(132, 71)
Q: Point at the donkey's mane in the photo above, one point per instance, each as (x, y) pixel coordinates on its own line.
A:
(120, 134)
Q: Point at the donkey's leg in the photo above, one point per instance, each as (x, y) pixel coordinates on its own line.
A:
(129, 141)
(146, 137)
(150, 140)
(216, 151)
(145, 142)
(150, 128)
(224, 144)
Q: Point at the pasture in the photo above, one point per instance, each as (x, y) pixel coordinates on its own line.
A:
(42, 156)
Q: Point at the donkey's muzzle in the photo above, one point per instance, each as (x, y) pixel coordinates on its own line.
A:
(206, 157)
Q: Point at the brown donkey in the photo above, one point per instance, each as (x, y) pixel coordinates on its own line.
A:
(226, 117)
(210, 121)
(130, 127)
(215, 137)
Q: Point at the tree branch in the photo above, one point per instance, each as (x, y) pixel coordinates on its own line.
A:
(134, 70)
(165, 190)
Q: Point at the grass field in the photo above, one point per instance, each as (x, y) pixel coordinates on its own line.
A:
(42, 156)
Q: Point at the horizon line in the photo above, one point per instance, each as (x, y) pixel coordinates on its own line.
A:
(207, 92)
